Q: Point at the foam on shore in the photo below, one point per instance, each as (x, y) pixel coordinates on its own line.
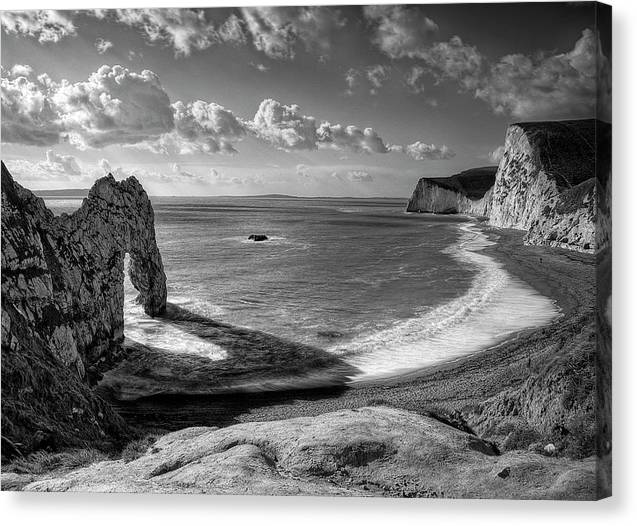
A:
(495, 307)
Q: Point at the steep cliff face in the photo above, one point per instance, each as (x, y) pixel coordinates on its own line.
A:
(553, 181)
(62, 301)
(550, 179)
(468, 192)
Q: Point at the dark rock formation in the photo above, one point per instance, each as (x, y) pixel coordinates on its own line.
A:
(257, 237)
(468, 192)
(553, 181)
(62, 304)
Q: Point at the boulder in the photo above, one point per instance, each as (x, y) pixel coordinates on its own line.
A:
(257, 237)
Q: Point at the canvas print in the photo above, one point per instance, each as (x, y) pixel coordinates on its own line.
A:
(355, 251)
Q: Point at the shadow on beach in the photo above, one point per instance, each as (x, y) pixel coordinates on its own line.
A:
(154, 387)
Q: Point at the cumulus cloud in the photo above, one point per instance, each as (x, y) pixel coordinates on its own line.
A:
(183, 29)
(260, 67)
(555, 86)
(200, 127)
(66, 163)
(46, 25)
(102, 45)
(277, 31)
(421, 151)
(496, 154)
(350, 137)
(400, 31)
(284, 126)
(302, 170)
(114, 106)
(453, 60)
(352, 79)
(28, 115)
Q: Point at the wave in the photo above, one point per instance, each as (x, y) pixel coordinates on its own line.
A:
(495, 306)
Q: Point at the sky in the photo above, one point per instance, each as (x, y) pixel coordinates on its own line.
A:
(314, 101)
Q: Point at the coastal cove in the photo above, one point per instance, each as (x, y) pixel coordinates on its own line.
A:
(420, 292)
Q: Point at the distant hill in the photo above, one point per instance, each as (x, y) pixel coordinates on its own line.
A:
(65, 192)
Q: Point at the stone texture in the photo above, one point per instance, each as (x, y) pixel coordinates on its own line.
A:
(553, 181)
(549, 180)
(62, 303)
(372, 451)
(468, 192)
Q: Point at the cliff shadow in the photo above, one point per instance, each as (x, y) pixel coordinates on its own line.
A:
(154, 387)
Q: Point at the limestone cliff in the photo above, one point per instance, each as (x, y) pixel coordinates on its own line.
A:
(550, 179)
(62, 305)
(468, 192)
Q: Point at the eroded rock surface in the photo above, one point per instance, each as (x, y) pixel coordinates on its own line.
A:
(553, 181)
(468, 192)
(372, 451)
(62, 304)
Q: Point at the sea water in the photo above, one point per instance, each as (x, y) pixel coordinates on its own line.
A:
(389, 292)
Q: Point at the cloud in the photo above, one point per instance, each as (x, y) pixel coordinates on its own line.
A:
(421, 151)
(373, 76)
(453, 60)
(66, 163)
(496, 154)
(277, 31)
(284, 126)
(200, 127)
(339, 137)
(302, 170)
(28, 115)
(260, 67)
(20, 70)
(184, 30)
(102, 45)
(114, 106)
(359, 176)
(400, 31)
(550, 86)
(55, 167)
(45, 25)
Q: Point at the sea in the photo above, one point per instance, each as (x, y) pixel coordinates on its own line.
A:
(389, 292)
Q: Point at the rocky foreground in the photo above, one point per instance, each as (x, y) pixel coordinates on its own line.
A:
(371, 451)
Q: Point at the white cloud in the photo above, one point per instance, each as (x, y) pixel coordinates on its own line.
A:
(496, 154)
(102, 45)
(45, 25)
(400, 31)
(260, 67)
(55, 167)
(284, 126)
(359, 176)
(184, 30)
(277, 31)
(350, 137)
(200, 127)
(66, 163)
(28, 116)
(421, 151)
(554, 86)
(114, 106)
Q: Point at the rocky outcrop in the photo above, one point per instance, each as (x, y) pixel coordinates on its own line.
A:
(62, 304)
(550, 180)
(468, 192)
(553, 181)
(372, 451)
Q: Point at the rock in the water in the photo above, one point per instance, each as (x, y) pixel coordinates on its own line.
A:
(63, 305)
(257, 237)
(369, 451)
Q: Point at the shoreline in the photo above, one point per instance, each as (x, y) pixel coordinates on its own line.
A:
(566, 277)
